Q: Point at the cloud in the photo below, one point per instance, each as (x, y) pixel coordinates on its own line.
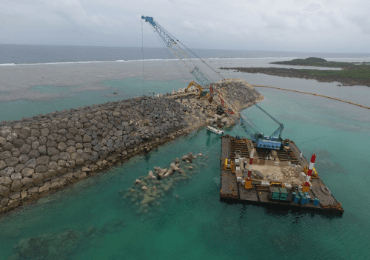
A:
(312, 7)
(293, 25)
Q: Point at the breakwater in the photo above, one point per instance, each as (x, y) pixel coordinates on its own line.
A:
(45, 153)
(313, 94)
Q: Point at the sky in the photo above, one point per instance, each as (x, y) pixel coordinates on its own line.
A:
(284, 25)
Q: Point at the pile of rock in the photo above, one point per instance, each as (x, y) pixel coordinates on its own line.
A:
(44, 153)
(146, 193)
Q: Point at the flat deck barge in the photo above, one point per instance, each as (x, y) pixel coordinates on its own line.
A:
(276, 181)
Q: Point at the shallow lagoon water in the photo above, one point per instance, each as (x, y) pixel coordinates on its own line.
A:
(198, 225)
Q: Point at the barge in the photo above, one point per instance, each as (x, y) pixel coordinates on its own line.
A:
(277, 178)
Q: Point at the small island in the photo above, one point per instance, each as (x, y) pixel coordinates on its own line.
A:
(351, 73)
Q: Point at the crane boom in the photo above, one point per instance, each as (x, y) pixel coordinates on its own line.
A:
(269, 142)
(172, 44)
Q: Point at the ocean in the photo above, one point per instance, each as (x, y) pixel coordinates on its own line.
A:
(91, 220)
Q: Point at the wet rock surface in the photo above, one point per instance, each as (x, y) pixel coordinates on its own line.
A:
(45, 153)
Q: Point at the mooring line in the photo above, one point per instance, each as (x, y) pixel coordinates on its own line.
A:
(313, 94)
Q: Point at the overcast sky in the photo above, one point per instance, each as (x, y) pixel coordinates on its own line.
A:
(278, 25)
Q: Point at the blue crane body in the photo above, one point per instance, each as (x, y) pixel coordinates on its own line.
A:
(273, 141)
(171, 43)
(269, 142)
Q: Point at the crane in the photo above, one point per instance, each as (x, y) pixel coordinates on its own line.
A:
(173, 45)
(273, 141)
(207, 88)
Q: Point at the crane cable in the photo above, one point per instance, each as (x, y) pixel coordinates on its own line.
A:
(195, 55)
(170, 55)
(218, 73)
(142, 51)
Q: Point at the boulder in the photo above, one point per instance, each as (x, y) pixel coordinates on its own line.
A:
(24, 194)
(5, 181)
(5, 155)
(41, 168)
(64, 156)
(23, 158)
(11, 137)
(62, 146)
(85, 169)
(42, 149)
(4, 191)
(16, 176)
(54, 185)
(33, 190)
(34, 154)
(169, 172)
(174, 167)
(4, 201)
(52, 151)
(45, 187)
(12, 161)
(7, 172)
(43, 160)
(2, 165)
(27, 172)
(71, 164)
(16, 186)
(37, 176)
(71, 149)
(151, 175)
(31, 163)
(35, 133)
(50, 173)
(27, 182)
(87, 139)
(44, 132)
(2, 141)
(14, 195)
(18, 143)
(35, 145)
(19, 167)
(80, 161)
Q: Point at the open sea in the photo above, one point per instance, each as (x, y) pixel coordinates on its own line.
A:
(91, 220)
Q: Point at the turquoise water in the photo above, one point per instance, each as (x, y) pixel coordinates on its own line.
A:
(72, 97)
(91, 220)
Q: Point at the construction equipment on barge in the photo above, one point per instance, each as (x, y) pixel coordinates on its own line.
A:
(278, 181)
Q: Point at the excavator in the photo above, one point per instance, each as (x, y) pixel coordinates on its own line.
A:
(202, 92)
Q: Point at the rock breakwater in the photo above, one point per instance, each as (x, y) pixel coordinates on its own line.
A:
(42, 154)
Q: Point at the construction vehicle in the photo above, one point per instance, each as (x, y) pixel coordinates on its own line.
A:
(206, 88)
(203, 83)
(202, 93)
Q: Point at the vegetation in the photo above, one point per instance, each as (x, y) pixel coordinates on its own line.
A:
(354, 73)
(318, 62)
(351, 73)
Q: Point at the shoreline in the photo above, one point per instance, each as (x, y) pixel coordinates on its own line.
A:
(304, 74)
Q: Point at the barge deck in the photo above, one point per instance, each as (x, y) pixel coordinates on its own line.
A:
(281, 173)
